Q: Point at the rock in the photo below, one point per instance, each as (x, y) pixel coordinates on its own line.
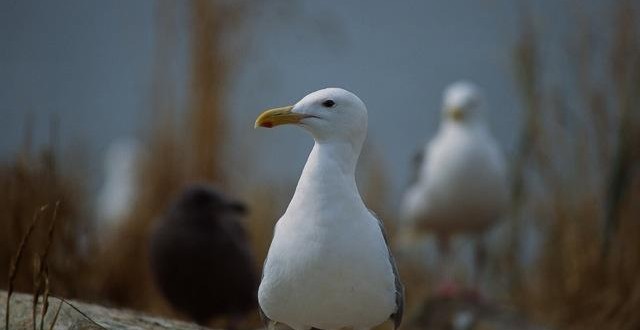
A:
(97, 317)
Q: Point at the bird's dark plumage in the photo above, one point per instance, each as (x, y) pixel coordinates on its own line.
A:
(200, 256)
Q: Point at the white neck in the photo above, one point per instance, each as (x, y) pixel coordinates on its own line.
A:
(328, 177)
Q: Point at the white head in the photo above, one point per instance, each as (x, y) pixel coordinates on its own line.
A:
(462, 102)
(330, 115)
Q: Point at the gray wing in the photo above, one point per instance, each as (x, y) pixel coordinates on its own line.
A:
(397, 316)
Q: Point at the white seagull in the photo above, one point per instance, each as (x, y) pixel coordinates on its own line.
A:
(329, 265)
(461, 185)
(117, 196)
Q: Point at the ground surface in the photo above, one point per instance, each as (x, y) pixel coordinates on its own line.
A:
(69, 318)
(434, 314)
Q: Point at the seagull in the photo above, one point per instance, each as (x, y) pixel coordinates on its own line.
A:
(117, 195)
(329, 265)
(200, 257)
(461, 185)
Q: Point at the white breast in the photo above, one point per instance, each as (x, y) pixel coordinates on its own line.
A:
(328, 273)
(462, 183)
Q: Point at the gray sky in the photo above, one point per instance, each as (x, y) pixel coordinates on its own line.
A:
(90, 64)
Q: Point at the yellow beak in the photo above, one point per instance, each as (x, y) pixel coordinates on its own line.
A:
(278, 116)
(456, 113)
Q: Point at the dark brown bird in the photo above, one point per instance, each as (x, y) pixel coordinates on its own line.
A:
(200, 256)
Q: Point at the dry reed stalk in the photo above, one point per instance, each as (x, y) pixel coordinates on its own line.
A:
(625, 70)
(55, 316)
(62, 300)
(526, 68)
(44, 268)
(16, 261)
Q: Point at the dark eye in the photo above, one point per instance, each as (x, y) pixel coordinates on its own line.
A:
(328, 103)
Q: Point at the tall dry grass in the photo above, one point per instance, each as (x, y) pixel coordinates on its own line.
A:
(587, 157)
(182, 143)
(26, 185)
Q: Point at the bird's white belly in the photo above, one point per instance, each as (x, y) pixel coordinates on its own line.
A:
(313, 279)
(465, 187)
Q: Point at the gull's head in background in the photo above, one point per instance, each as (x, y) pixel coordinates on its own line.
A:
(331, 115)
(118, 192)
(462, 103)
(121, 158)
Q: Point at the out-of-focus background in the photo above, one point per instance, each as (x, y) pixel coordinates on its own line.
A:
(177, 85)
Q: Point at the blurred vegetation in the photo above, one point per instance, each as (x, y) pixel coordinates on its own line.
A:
(184, 144)
(581, 141)
(31, 182)
(576, 181)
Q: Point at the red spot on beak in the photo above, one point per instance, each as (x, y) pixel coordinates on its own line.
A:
(267, 124)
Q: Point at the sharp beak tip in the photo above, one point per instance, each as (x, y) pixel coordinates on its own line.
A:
(263, 124)
(274, 117)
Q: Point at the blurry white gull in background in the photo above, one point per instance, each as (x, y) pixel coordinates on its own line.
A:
(118, 192)
(461, 182)
(329, 265)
